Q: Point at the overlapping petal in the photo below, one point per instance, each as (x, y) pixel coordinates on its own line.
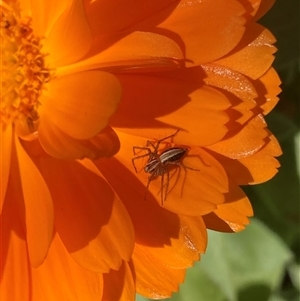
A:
(47, 281)
(78, 204)
(5, 154)
(38, 208)
(70, 31)
(89, 225)
(257, 43)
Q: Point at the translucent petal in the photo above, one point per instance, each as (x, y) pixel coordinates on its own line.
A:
(253, 56)
(61, 278)
(171, 101)
(91, 221)
(101, 13)
(246, 142)
(221, 24)
(185, 195)
(59, 145)
(153, 279)
(80, 104)
(38, 208)
(14, 264)
(70, 32)
(119, 285)
(44, 13)
(118, 52)
(5, 153)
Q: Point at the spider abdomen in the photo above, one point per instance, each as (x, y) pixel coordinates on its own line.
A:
(157, 164)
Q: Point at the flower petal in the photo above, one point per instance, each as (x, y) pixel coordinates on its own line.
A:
(14, 265)
(44, 14)
(118, 52)
(182, 250)
(102, 12)
(193, 192)
(249, 140)
(262, 165)
(153, 279)
(221, 24)
(80, 104)
(38, 208)
(70, 31)
(256, 168)
(171, 101)
(253, 56)
(267, 87)
(5, 153)
(59, 145)
(232, 216)
(261, 7)
(61, 278)
(185, 195)
(119, 285)
(230, 81)
(91, 227)
(176, 241)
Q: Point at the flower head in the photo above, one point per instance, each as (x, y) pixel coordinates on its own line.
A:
(184, 83)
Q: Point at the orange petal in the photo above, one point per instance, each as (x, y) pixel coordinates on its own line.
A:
(230, 81)
(44, 14)
(248, 141)
(14, 265)
(176, 241)
(101, 13)
(70, 33)
(263, 8)
(80, 104)
(119, 285)
(236, 210)
(267, 87)
(232, 216)
(191, 192)
(119, 52)
(185, 195)
(256, 8)
(38, 208)
(5, 153)
(221, 24)
(61, 278)
(242, 94)
(254, 54)
(256, 168)
(89, 217)
(153, 279)
(262, 165)
(182, 250)
(59, 145)
(172, 102)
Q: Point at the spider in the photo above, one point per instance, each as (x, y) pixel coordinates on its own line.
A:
(160, 163)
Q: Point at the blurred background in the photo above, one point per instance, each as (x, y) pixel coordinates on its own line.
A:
(262, 263)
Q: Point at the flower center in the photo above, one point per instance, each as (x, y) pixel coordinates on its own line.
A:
(23, 71)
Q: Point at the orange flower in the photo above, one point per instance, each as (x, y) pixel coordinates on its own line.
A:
(83, 81)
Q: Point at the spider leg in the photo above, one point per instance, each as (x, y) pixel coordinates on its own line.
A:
(150, 179)
(141, 148)
(167, 184)
(158, 142)
(162, 196)
(187, 167)
(140, 156)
